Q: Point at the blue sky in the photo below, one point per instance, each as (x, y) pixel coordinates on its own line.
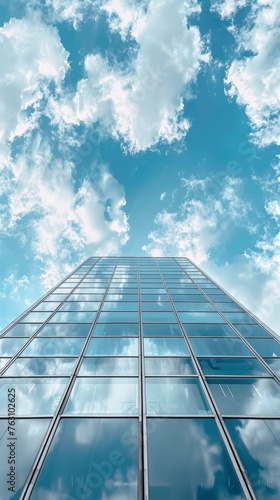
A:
(146, 127)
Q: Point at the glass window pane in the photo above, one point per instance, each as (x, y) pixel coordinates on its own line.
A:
(252, 331)
(219, 347)
(86, 297)
(30, 434)
(3, 362)
(232, 366)
(46, 306)
(29, 367)
(258, 445)
(116, 396)
(9, 347)
(188, 460)
(238, 318)
(120, 306)
(200, 317)
(156, 306)
(120, 297)
(80, 306)
(90, 458)
(113, 347)
(35, 317)
(161, 330)
(109, 366)
(175, 396)
(23, 330)
(54, 347)
(212, 330)
(119, 317)
(65, 330)
(34, 396)
(157, 291)
(265, 347)
(228, 306)
(252, 397)
(159, 317)
(116, 330)
(169, 366)
(154, 297)
(73, 317)
(165, 347)
(194, 306)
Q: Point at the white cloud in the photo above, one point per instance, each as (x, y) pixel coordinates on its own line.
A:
(32, 57)
(64, 224)
(227, 8)
(141, 102)
(162, 196)
(255, 79)
(201, 221)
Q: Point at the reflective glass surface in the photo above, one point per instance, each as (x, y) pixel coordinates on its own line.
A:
(109, 366)
(246, 397)
(85, 297)
(165, 347)
(188, 460)
(219, 347)
(91, 459)
(119, 317)
(232, 366)
(158, 317)
(73, 317)
(175, 396)
(80, 306)
(35, 317)
(116, 396)
(54, 346)
(120, 306)
(212, 330)
(169, 366)
(194, 306)
(238, 317)
(252, 331)
(46, 306)
(9, 347)
(200, 317)
(156, 306)
(65, 330)
(23, 330)
(228, 306)
(29, 367)
(30, 434)
(258, 445)
(266, 347)
(37, 396)
(162, 330)
(116, 330)
(112, 347)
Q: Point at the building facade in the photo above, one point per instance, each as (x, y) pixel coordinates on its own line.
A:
(139, 379)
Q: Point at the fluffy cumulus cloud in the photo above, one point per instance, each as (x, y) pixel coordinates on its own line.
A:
(254, 79)
(227, 8)
(62, 223)
(32, 58)
(141, 103)
(200, 222)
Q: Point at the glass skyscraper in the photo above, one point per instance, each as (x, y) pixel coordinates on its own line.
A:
(139, 379)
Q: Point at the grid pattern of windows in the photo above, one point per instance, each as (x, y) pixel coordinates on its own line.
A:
(139, 379)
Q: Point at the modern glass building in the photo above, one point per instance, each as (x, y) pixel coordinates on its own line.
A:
(139, 379)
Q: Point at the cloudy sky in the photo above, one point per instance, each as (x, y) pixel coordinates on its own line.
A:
(140, 127)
